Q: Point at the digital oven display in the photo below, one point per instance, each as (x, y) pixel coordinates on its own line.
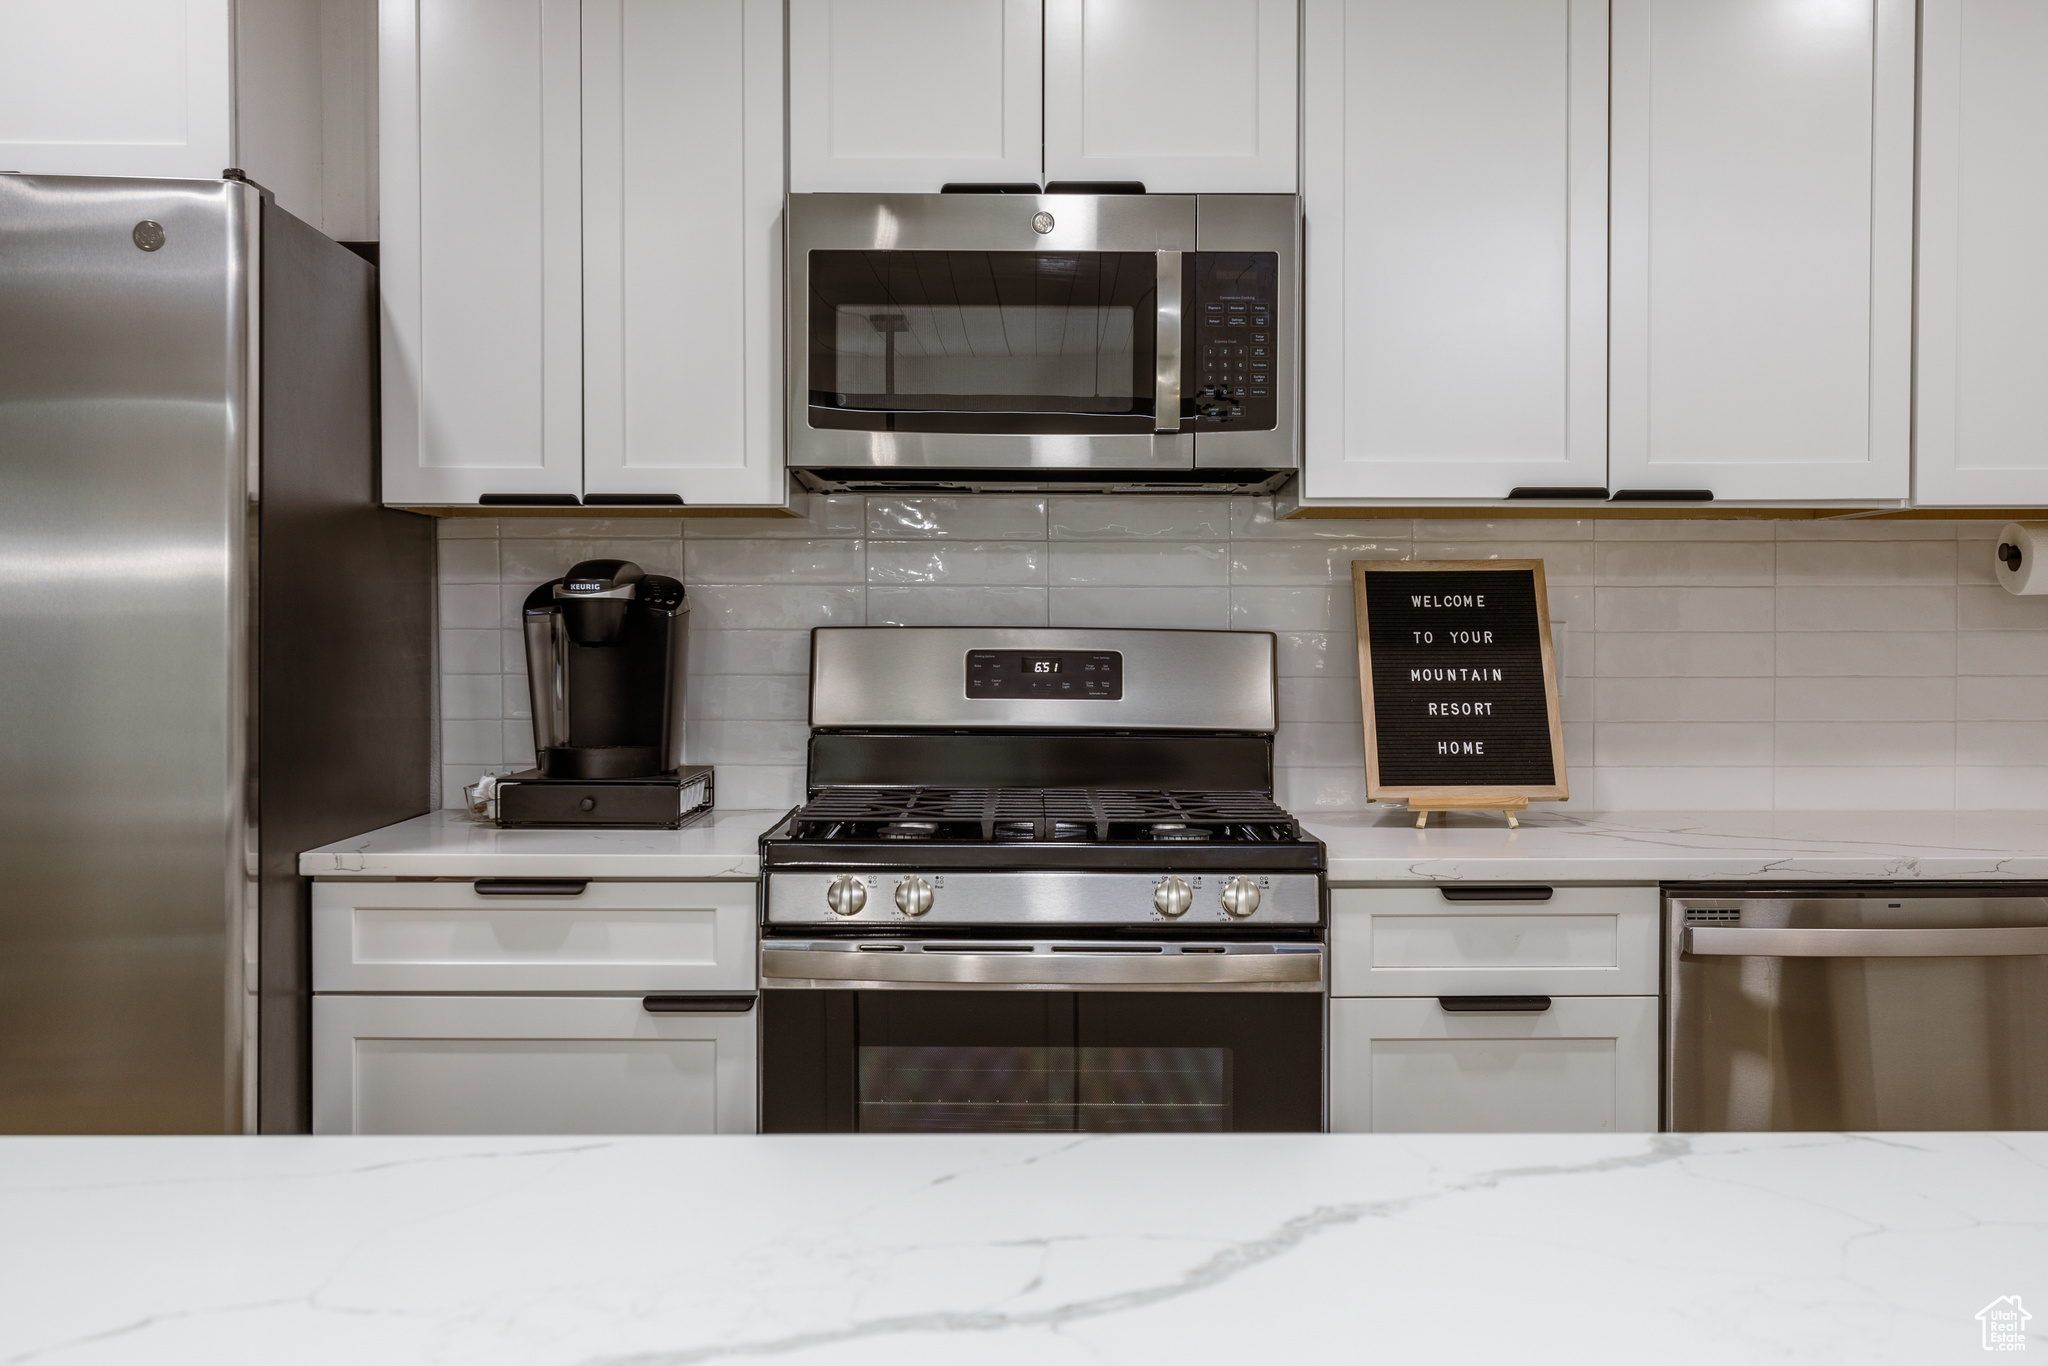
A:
(1093, 674)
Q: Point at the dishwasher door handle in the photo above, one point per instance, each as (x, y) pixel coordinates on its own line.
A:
(1964, 941)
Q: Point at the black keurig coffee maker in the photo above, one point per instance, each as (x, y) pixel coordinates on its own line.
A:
(607, 653)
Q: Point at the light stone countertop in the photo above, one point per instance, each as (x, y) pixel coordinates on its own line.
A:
(1045, 1249)
(1383, 845)
(1378, 846)
(724, 844)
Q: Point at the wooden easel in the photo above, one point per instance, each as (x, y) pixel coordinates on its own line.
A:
(1507, 806)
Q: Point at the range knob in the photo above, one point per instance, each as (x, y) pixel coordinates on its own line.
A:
(1172, 897)
(1240, 897)
(845, 896)
(913, 895)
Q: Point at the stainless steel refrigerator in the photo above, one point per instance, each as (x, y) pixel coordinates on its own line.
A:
(214, 644)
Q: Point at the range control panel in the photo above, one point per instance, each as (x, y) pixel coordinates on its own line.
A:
(1227, 379)
(1045, 673)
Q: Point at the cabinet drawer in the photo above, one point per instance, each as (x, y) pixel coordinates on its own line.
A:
(612, 936)
(1413, 941)
(1585, 1065)
(528, 1065)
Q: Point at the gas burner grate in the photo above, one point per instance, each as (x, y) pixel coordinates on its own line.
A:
(1013, 814)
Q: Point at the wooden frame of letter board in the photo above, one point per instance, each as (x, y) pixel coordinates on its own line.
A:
(1465, 796)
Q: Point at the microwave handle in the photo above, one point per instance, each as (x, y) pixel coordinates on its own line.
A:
(1166, 356)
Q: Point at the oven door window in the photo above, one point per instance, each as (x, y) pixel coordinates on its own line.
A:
(983, 341)
(1036, 1062)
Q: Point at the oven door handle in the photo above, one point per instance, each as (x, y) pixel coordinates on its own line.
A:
(791, 966)
(1962, 941)
(1166, 354)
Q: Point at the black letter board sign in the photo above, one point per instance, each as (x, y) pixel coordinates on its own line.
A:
(1457, 680)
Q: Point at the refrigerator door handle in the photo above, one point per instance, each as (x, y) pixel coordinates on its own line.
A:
(1987, 941)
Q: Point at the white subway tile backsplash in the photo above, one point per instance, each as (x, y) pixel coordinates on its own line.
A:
(773, 561)
(749, 652)
(1688, 744)
(1682, 609)
(1139, 564)
(999, 518)
(1196, 609)
(1866, 609)
(1150, 519)
(1306, 563)
(1913, 561)
(1876, 654)
(1678, 699)
(957, 563)
(1866, 699)
(2002, 744)
(1673, 654)
(470, 652)
(1865, 789)
(732, 607)
(2001, 789)
(1737, 664)
(1678, 561)
(1321, 699)
(989, 606)
(1866, 744)
(1676, 788)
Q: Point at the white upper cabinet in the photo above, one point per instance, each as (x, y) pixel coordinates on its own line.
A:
(908, 95)
(1762, 168)
(1983, 372)
(682, 249)
(1455, 197)
(582, 249)
(1187, 96)
(117, 87)
(481, 260)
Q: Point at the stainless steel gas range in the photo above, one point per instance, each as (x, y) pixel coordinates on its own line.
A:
(1040, 883)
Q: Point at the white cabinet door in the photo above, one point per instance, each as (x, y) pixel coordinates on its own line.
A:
(1982, 412)
(907, 95)
(1454, 184)
(1406, 1065)
(481, 257)
(682, 249)
(117, 87)
(1762, 253)
(1188, 96)
(612, 936)
(528, 1065)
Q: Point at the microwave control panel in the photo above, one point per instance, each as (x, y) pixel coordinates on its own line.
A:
(1229, 329)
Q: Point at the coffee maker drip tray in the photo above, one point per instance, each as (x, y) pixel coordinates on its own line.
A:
(664, 801)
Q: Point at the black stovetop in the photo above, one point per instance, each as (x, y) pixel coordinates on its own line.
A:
(1024, 827)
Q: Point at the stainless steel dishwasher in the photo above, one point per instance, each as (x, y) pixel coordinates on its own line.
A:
(1856, 1007)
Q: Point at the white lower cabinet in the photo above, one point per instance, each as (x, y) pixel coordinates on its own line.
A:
(1588, 1064)
(529, 1065)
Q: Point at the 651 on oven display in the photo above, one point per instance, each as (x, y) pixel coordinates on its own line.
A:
(1041, 907)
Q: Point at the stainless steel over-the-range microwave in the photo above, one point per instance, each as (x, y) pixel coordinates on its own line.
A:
(1038, 340)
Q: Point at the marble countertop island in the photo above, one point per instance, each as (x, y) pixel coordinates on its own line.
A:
(1042, 1249)
(1383, 845)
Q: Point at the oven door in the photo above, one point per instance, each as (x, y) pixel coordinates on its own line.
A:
(1045, 1037)
(943, 331)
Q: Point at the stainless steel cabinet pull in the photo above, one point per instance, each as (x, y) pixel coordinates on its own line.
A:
(1496, 893)
(531, 886)
(696, 1005)
(1494, 1005)
(1966, 941)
